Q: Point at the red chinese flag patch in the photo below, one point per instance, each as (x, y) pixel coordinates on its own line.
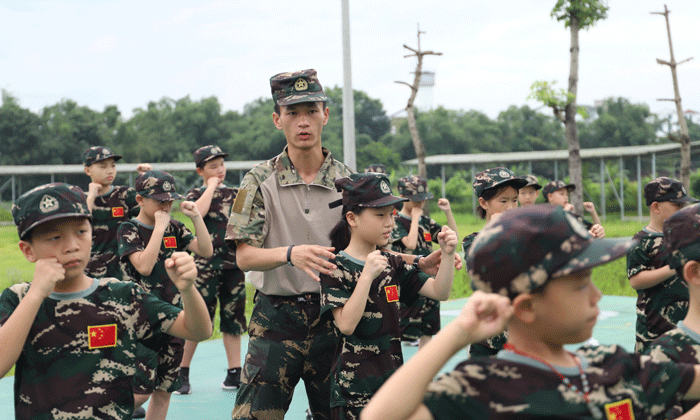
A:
(170, 242)
(621, 410)
(117, 211)
(392, 293)
(428, 237)
(100, 336)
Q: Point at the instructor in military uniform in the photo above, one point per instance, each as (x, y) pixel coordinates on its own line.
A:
(280, 222)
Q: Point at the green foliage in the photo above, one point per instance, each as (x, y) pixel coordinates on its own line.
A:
(620, 123)
(585, 12)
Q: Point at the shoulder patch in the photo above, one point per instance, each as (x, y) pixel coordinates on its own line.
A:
(239, 201)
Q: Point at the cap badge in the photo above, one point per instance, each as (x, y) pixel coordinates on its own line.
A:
(385, 187)
(48, 204)
(301, 84)
(167, 186)
(215, 150)
(504, 174)
(576, 225)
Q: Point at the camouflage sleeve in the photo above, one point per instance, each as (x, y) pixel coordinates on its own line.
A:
(434, 228)
(193, 194)
(247, 220)
(397, 233)
(132, 205)
(466, 243)
(637, 259)
(10, 299)
(454, 395)
(665, 384)
(411, 279)
(666, 349)
(129, 240)
(152, 315)
(334, 291)
(185, 236)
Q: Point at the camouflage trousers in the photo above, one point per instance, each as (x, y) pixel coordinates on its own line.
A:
(289, 341)
(158, 369)
(227, 288)
(421, 318)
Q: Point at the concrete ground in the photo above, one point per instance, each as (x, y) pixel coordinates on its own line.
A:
(209, 402)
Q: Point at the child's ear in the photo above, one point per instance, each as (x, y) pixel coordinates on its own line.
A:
(524, 308)
(139, 199)
(654, 207)
(691, 272)
(87, 171)
(351, 218)
(27, 251)
(200, 171)
(482, 203)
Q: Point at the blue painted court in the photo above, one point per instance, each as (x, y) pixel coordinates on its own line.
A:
(208, 401)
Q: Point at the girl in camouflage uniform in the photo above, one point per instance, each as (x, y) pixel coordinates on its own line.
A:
(365, 291)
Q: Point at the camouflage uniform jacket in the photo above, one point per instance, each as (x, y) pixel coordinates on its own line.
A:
(275, 207)
(680, 345)
(216, 219)
(108, 212)
(660, 307)
(365, 359)
(510, 386)
(428, 230)
(134, 236)
(78, 360)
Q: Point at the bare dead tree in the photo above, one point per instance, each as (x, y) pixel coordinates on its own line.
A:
(410, 111)
(684, 138)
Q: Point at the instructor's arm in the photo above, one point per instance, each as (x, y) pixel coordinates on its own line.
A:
(310, 259)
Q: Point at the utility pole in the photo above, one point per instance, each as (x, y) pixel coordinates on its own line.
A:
(684, 138)
(349, 154)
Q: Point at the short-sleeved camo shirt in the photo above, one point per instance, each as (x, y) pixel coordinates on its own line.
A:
(216, 219)
(78, 360)
(660, 307)
(428, 230)
(109, 211)
(134, 236)
(365, 359)
(680, 345)
(510, 386)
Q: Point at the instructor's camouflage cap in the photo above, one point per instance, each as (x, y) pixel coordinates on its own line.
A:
(532, 181)
(48, 202)
(496, 177)
(554, 186)
(98, 154)
(376, 168)
(365, 190)
(414, 188)
(682, 236)
(207, 153)
(666, 189)
(158, 185)
(526, 247)
(295, 87)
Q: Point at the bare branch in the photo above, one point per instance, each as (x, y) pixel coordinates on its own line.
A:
(409, 48)
(660, 61)
(670, 100)
(687, 59)
(674, 138)
(404, 83)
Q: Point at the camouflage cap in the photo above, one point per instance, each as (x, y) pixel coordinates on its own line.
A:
(158, 185)
(496, 177)
(97, 154)
(48, 202)
(376, 168)
(666, 189)
(552, 186)
(365, 190)
(526, 247)
(414, 188)
(295, 87)
(682, 236)
(532, 181)
(207, 153)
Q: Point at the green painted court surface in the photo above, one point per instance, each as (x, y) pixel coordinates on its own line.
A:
(208, 401)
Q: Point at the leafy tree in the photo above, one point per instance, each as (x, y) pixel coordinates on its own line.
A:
(20, 131)
(620, 123)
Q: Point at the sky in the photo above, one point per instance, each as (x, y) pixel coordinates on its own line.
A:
(129, 53)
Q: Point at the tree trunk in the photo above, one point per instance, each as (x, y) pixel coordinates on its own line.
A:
(575, 171)
(418, 145)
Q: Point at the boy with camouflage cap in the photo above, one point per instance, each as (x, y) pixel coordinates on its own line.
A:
(110, 205)
(414, 234)
(145, 243)
(557, 192)
(662, 296)
(527, 195)
(532, 268)
(72, 337)
(219, 276)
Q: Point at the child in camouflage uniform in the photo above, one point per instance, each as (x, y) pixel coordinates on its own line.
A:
(365, 291)
(414, 234)
(532, 268)
(528, 194)
(145, 243)
(497, 191)
(72, 337)
(662, 296)
(219, 276)
(109, 205)
(681, 344)
(557, 192)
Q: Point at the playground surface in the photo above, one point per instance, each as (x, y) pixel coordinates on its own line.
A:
(209, 402)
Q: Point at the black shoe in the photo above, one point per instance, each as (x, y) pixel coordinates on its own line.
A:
(139, 413)
(233, 379)
(185, 381)
(309, 414)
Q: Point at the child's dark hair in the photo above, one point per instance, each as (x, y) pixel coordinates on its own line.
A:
(278, 109)
(490, 193)
(340, 234)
